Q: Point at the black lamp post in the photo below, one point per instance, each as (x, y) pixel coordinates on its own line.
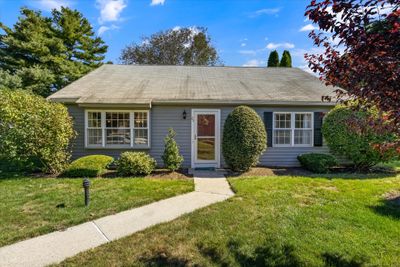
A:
(86, 185)
(184, 114)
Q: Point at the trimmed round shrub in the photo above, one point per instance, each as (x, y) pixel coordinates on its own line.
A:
(89, 166)
(349, 134)
(34, 133)
(135, 163)
(244, 138)
(318, 163)
(172, 158)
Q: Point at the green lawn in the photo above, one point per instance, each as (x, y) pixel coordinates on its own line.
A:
(273, 221)
(28, 206)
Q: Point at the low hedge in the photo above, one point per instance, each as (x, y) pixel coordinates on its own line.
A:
(318, 163)
(89, 166)
(135, 163)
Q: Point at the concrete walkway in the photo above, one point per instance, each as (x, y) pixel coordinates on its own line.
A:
(210, 187)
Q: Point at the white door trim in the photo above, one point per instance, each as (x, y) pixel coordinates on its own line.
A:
(195, 163)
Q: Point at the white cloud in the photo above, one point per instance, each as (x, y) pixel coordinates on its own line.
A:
(110, 10)
(194, 30)
(307, 69)
(243, 44)
(283, 45)
(265, 11)
(145, 42)
(157, 2)
(49, 5)
(299, 52)
(308, 27)
(298, 56)
(253, 63)
(266, 38)
(385, 9)
(103, 29)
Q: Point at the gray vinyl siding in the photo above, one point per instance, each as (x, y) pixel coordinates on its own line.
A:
(164, 117)
(161, 119)
(281, 156)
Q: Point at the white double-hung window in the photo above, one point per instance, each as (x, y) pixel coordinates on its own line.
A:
(117, 129)
(94, 135)
(293, 129)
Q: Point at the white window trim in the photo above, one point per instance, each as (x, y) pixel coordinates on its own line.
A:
(132, 128)
(292, 129)
(99, 128)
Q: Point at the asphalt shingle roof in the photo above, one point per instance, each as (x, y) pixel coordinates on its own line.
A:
(138, 84)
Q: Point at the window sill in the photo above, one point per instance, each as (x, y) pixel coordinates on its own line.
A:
(282, 146)
(117, 147)
(292, 146)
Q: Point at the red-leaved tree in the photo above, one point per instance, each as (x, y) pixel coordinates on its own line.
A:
(361, 42)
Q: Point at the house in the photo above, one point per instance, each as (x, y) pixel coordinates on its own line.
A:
(129, 107)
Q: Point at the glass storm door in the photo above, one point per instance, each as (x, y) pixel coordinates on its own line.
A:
(206, 138)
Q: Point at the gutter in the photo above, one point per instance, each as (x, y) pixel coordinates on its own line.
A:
(243, 102)
(176, 102)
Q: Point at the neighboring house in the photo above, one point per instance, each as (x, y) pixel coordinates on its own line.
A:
(127, 107)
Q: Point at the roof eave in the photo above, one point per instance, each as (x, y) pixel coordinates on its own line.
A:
(116, 105)
(169, 102)
(64, 100)
(243, 102)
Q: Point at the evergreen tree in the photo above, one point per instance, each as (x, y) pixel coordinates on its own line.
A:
(171, 157)
(286, 60)
(30, 45)
(8, 81)
(273, 59)
(50, 52)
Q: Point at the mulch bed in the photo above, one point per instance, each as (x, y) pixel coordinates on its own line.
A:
(263, 171)
(162, 173)
(297, 171)
(157, 174)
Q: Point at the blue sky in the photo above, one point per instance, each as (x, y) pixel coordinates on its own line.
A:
(243, 31)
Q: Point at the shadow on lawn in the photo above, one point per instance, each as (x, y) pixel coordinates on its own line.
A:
(11, 175)
(268, 254)
(164, 259)
(336, 260)
(389, 208)
(345, 173)
(339, 173)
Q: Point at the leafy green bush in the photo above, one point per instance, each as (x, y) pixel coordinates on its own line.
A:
(244, 138)
(34, 133)
(315, 162)
(135, 163)
(89, 166)
(171, 157)
(348, 133)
